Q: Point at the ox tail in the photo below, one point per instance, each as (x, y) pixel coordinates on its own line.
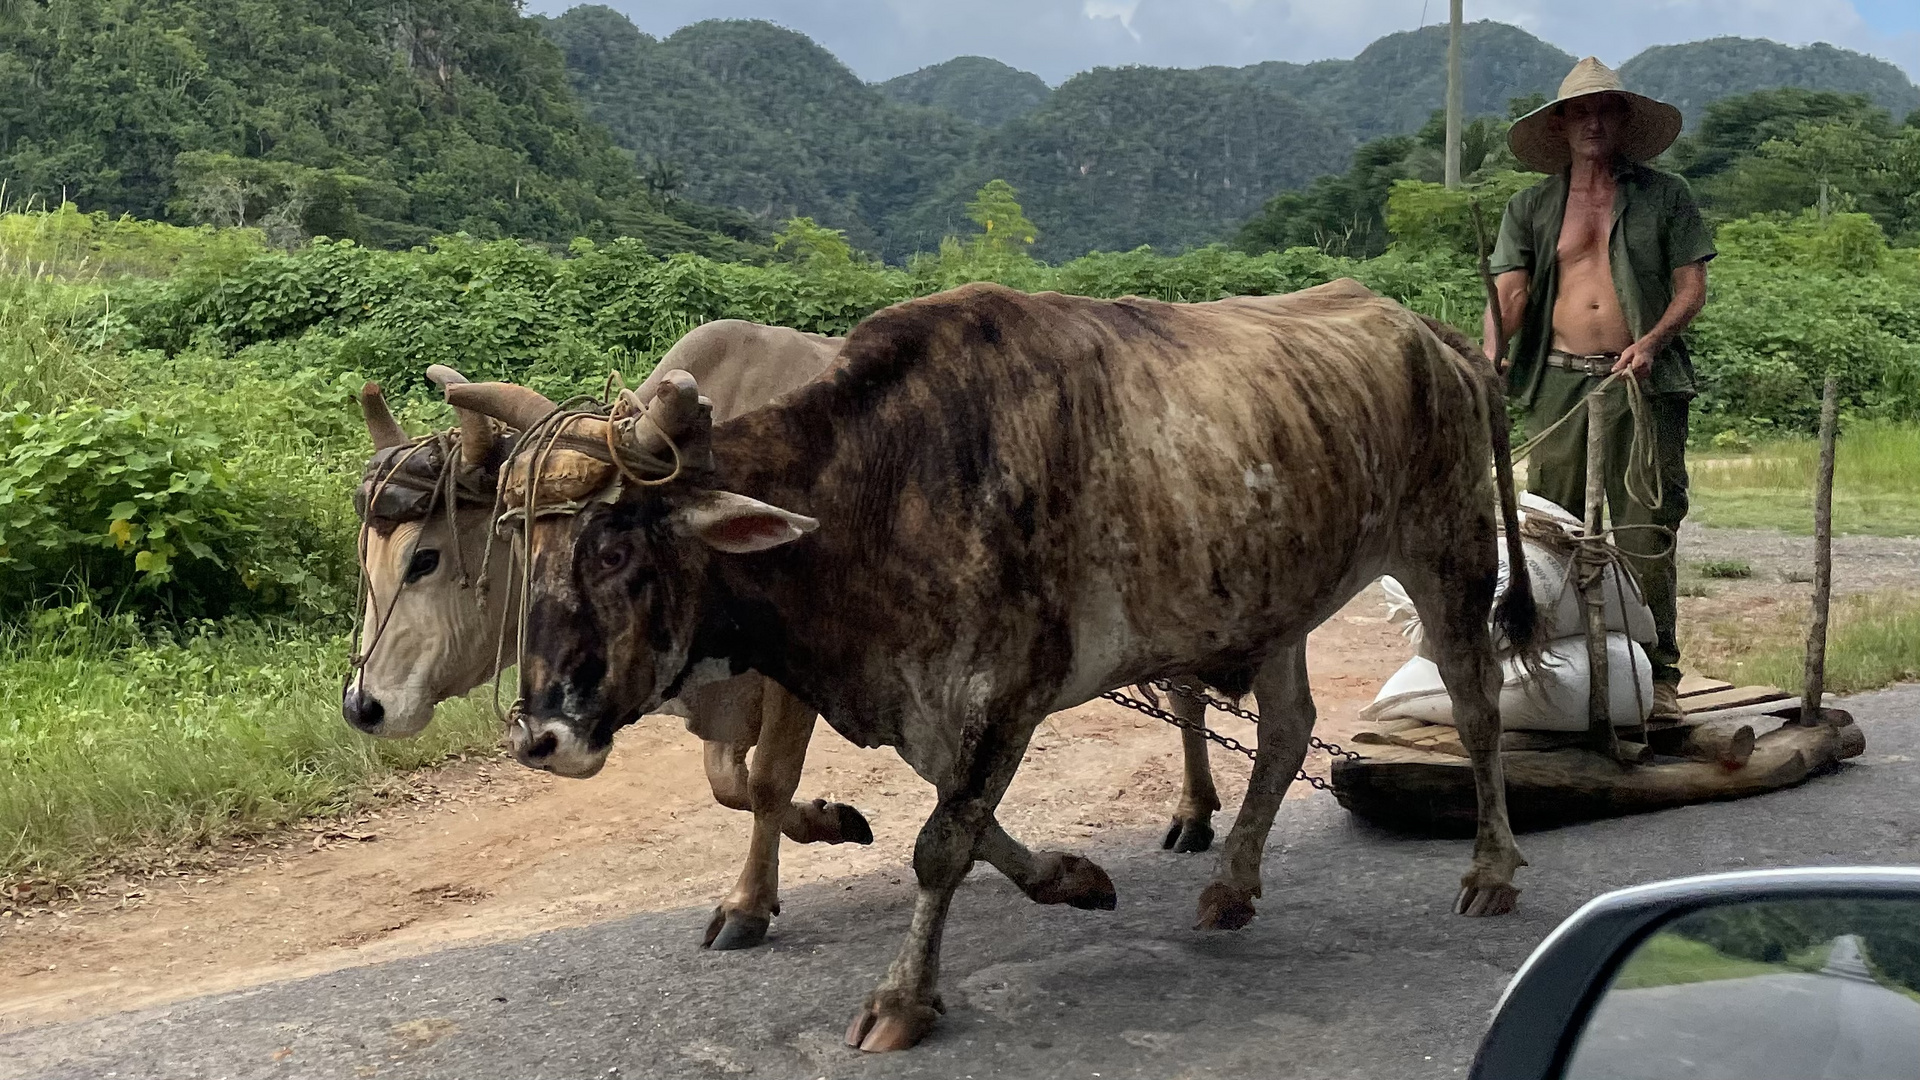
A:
(1515, 615)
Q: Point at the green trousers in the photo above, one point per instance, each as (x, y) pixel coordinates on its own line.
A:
(1557, 470)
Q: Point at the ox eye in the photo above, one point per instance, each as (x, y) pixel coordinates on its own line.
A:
(612, 558)
(424, 563)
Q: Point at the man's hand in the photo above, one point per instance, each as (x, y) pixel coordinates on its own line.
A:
(1637, 360)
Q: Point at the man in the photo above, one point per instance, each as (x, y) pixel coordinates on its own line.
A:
(1599, 268)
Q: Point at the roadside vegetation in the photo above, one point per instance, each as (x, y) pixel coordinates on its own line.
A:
(1668, 959)
(1767, 486)
(178, 447)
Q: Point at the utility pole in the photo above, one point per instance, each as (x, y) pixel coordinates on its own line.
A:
(1456, 96)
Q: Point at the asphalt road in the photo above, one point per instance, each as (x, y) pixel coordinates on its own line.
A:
(1354, 968)
(1838, 1024)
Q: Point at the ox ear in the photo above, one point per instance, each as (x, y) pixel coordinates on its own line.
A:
(738, 525)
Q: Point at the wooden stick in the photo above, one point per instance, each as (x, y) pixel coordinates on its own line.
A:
(1592, 561)
(1822, 557)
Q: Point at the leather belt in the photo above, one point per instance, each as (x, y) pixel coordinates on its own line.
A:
(1591, 364)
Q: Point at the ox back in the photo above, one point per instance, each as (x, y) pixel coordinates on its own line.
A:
(1027, 500)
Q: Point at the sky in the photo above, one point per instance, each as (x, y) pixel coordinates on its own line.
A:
(1056, 38)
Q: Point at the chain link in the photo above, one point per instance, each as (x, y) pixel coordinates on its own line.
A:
(1127, 701)
(1314, 741)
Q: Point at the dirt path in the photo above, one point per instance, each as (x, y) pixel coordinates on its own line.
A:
(486, 851)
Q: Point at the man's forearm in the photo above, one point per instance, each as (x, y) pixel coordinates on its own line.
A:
(1689, 297)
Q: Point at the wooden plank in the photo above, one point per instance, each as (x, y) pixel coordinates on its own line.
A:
(1732, 699)
(1433, 793)
(1700, 684)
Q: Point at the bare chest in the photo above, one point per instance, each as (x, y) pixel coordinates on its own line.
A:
(1587, 226)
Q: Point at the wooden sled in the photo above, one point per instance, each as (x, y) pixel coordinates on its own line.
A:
(1735, 742)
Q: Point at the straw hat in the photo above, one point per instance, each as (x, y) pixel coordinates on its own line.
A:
(1651, 125)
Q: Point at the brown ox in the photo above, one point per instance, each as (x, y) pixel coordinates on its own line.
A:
(434, 627)
(996, 506)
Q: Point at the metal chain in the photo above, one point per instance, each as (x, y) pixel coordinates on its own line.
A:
(1247, 714)
(1126, 701)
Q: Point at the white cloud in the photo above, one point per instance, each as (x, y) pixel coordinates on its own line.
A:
(1113, 9)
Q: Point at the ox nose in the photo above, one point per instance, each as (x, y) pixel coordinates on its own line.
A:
(362, 710)
(534, 749)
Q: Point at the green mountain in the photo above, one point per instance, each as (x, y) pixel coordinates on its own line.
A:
(1699, 73)
(753, 116)
(975, 88)
(1396, 82)
(384, 123)
(1120, 157)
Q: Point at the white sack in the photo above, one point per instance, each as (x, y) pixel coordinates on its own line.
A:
(1554, 591)
(1556, 701)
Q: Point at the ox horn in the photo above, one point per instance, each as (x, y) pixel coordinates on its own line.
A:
(385, 430)
(476, 430)
(678, 411)
(515, 406)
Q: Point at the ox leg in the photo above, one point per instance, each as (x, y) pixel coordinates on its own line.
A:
(776, 767)
(786, 726)
(1192, 828)
(1286, 723)
(1047, 877)
(902, 1009)
(1463, 648)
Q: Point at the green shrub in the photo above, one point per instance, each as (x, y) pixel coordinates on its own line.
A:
(196, 503)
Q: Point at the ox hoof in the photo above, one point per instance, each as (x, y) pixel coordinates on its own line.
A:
(1224, 907)
(1073, 881)
(1485, 901)
(735, 930)
(1187, 836)
(853, 827)
(891, 1022)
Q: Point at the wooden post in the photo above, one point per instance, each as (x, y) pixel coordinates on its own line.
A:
(1456, 96)
(1592, 568)
(1822, 557)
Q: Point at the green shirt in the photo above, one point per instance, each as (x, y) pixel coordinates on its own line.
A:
(1656, 229)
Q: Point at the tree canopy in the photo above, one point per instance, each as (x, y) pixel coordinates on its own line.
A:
(975, 88)
(385, 124)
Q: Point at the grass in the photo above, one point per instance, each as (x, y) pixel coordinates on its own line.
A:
(1726, 569)
(1876, 484)
(112, 742)
(1667, 959)
(1872, 641)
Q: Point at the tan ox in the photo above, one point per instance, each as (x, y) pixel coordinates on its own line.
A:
(997, 506)
(434, 628)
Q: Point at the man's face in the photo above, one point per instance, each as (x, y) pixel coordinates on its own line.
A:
(1592, 126)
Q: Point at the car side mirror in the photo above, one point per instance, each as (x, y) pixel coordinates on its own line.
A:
(1805, 974)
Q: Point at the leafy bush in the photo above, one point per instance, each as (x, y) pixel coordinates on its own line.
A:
(194, 504)
(1792, 299)
(126, 504)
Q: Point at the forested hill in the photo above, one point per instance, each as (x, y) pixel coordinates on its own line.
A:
(749, 115)
(383, 123)
(974, 88)
(1699, 73)
(389, 124)
(1396, 82)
